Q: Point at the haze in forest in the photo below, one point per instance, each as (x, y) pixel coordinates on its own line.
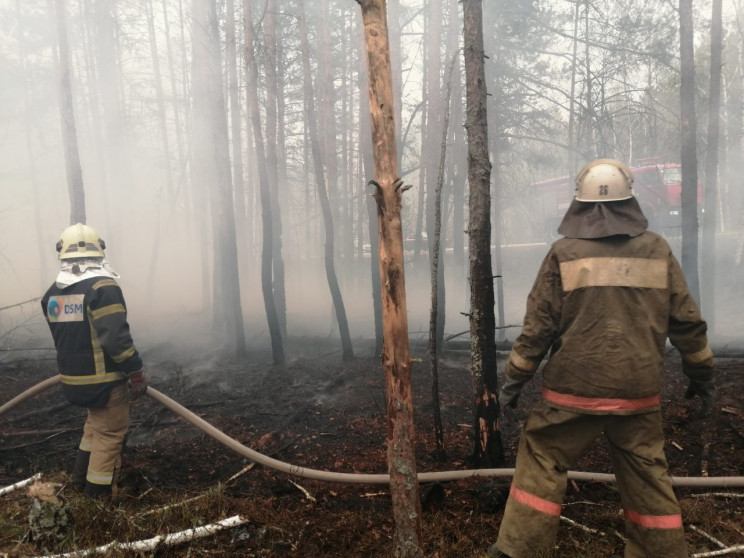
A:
(567, 82)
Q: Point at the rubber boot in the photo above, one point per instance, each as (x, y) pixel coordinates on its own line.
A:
(80, 470)
(98, 491)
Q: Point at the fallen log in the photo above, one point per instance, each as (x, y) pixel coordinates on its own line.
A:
(19, 484)
(149, 545)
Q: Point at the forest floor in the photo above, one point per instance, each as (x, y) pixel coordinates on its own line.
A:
(320, 413)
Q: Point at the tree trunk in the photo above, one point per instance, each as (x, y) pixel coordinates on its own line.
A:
(236, 130)
(28, 123)
(488, 449)
(210, 127)
(330, 268)
(272, 164)
(272, 318)
(162, 120)
(436, 275)
(67, 114)
(572, 140)
(115, 152)
(711, 169)
(689, 152)
(431, 146)
(396, 356)
(589, 119)
(365, 142)
(458, 155)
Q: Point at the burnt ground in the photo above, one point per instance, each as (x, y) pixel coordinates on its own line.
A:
(321, 413)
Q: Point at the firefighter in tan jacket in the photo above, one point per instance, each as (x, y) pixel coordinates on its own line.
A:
(98, 364)
(605, 300)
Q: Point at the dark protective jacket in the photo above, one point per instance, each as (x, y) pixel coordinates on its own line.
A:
(604, 308)
(95, 351)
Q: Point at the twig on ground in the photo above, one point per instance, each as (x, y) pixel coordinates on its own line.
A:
(169, 506)
(711, 538)
(13, 433)
(149, 545)
(304, 491)
(243, 470)
(723, 552)
(718, 495)
(37, 442)
(189, 500)
(582, 527)
(19, 484)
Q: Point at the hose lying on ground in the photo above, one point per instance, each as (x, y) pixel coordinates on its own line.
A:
(360, 478)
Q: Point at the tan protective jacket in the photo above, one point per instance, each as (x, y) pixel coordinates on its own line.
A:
(604, 308)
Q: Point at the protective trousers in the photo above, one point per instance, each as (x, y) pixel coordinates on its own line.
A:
(551, 443)
(103, 437)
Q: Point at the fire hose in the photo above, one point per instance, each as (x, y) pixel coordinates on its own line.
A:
(359, 478)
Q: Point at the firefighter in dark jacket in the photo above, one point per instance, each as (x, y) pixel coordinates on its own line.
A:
(99, 366)
(605, 300)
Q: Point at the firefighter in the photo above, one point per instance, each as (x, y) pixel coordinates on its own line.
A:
(606, 298)
(99, 366)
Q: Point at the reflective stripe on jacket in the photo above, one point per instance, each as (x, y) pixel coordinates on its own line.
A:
(604, 309)
(95, 351)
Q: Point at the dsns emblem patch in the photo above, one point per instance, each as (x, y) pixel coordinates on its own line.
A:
(68, 308)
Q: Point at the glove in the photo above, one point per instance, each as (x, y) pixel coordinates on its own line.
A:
(509, 393)
(137, 384)
(706, 390)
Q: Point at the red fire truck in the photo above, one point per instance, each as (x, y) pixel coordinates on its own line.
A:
(657, 186)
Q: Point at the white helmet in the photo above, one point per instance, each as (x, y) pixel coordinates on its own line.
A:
(604, 180)
(80, 241)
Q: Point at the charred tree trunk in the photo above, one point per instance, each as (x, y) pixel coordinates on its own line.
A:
(437, 276)
(277, 347)
(434, 112)
(330, 267)
(210, 127)
(689, 151)
(711, 169)
(488, 450)
(396, 355)
(272, 164)
(67, 115)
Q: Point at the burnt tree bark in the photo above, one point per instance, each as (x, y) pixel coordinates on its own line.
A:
(365, 141)
(488, 449)
(396, 357)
